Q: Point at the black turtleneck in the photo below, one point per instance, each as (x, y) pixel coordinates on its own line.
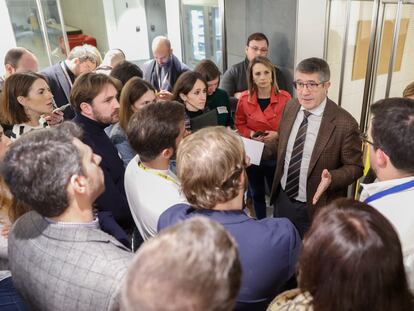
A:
(112, 205)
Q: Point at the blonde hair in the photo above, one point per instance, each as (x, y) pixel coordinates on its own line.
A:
(409, 90)
(209, 165)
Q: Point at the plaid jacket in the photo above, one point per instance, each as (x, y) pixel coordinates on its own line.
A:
(337, 148)
(65, 268)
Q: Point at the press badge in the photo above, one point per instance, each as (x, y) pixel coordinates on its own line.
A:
(222, 109)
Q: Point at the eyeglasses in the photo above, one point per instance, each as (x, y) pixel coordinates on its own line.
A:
(311, 86)
(364, 138)
(257, 49)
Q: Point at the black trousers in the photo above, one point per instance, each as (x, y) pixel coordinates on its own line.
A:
(295, 211)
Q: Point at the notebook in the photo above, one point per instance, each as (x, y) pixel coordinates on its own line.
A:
(208, 118)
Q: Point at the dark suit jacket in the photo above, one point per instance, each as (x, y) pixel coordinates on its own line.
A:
(60, 87)
(337, 148)
(177, 68)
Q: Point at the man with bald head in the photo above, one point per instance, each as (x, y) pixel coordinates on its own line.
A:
(163, 71)
(18, 60)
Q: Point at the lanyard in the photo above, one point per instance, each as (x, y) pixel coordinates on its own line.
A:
(161, 84)
(166, 177)
(395, 189)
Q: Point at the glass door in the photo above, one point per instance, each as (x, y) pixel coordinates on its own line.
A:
(201, 32)
(38, 26)
(369, 49)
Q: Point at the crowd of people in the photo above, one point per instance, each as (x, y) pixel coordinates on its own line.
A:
(125, 187)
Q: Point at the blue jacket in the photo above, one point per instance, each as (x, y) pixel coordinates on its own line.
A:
(113, 209)
(268, 250)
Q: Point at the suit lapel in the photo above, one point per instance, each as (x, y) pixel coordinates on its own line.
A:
(63, 81)
(325, 132)
(287, 121)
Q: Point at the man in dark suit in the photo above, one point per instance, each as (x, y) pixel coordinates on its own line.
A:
(94, 99)
(319, 149)
(234, 80)
(62, 75)
(163, 71)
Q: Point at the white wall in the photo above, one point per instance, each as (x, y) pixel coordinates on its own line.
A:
(7, 40)
(122, 24)
(310, 30)
(88, 16)
(172, 7)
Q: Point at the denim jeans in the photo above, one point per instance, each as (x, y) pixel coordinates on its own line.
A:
(257, 176)
(10, 299)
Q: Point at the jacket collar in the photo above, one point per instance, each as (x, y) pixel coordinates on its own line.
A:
(89, 125)
(69, 234)
(223, 217)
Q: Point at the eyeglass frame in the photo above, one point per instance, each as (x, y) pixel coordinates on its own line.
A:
(313, 84)
(364, 138)
(257, 49)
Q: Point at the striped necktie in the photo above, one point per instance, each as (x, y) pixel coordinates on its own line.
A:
(292, 181)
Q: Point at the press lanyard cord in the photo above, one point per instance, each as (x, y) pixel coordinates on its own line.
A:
(166, 177)
(395, 189)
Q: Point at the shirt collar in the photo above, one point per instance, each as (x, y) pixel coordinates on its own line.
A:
(94, 224)
(89, 124)
(370, 189)
(223, 217)
(317, 111)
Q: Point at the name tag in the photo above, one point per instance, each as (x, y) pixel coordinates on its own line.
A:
(222, 109)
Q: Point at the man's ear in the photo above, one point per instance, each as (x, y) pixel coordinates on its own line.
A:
(381, 158)
(167, 153)
(9, 69)
(86, 108)
(78, 184)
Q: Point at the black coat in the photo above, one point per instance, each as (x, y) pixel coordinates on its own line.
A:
(113, 210)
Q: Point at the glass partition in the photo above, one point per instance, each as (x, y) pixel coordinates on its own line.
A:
(37, 27)
(201, 32)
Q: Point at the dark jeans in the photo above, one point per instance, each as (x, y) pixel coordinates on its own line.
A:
(295, 211)
(257, 176)
(10, 299)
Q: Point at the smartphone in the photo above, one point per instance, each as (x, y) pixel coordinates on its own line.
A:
(259, 133)
(62, 108)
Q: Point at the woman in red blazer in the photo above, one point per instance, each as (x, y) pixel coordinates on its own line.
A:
(257, 117)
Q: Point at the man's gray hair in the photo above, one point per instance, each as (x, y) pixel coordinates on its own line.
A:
(315, 65)
(85, 53)
(38, 167)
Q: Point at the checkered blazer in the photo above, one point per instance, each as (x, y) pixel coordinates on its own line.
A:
(337, 148)
(63, 268)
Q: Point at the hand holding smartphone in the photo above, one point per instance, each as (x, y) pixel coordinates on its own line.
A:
(258, 134)
(61, 108)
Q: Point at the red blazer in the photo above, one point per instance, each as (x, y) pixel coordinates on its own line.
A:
(249, 116)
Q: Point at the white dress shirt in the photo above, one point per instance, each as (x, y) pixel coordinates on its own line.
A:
(314, 123)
